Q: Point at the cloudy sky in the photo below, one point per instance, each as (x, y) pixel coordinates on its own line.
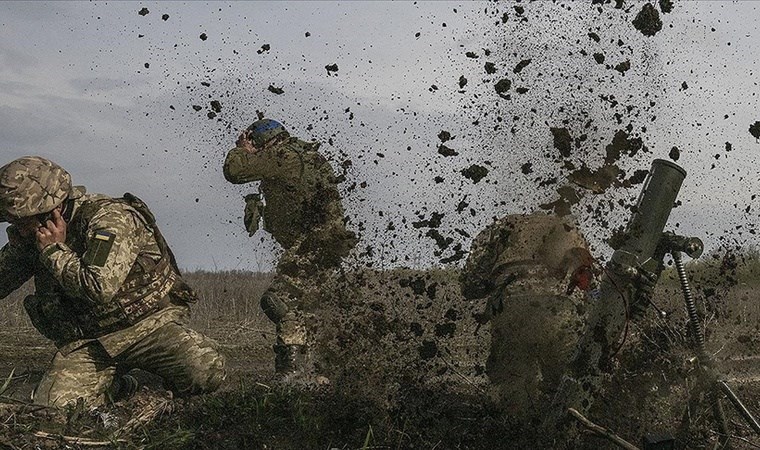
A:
(108, 93)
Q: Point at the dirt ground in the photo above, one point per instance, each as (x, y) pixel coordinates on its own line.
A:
(411, 376)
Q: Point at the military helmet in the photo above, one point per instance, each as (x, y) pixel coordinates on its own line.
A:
(263, 130)
(32, 185)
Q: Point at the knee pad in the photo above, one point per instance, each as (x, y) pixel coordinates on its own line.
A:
(215, 376)
(274, 308)
(206, 374)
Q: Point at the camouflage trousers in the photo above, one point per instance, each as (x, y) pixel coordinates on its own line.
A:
(299, 291)
(301, 285)
(188, 361)
(532, 340)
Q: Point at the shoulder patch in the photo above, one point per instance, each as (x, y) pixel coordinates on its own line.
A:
(98, 248)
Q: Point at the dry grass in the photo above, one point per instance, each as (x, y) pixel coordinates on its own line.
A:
(228, 297)
(406, 361)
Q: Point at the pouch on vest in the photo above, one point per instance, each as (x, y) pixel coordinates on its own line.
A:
(252, 214)
(181, 292)
(51, 317)
(149, 286)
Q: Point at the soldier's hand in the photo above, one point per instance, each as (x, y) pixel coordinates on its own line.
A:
(53, 231)
(245, 143)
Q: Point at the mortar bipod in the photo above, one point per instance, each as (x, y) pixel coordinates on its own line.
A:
(710, 378)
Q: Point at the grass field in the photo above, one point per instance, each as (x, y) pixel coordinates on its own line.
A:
(406, 364)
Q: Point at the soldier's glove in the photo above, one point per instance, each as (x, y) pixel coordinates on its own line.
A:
(254, 208)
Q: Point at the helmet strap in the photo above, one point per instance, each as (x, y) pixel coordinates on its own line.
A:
(67, 209)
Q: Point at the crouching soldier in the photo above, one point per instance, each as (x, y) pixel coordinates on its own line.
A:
(535, 271)
(108, 292)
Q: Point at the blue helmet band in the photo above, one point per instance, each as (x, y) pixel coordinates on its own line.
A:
(262, 131)
(264, 125)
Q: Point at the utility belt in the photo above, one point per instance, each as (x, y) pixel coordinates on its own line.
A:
(527, 277)
(528, 282)
(63, 319)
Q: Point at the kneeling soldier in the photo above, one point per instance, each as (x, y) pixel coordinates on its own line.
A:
(535, 271)
(108, 292)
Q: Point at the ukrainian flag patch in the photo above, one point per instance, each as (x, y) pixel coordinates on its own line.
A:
(98, 248)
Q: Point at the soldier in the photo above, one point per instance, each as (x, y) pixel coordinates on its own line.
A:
(108, 292)
(303, 213)
(535, 270)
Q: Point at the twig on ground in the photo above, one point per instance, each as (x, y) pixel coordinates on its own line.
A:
(255, 330)
(4, 398)
(77, 440)
(7, 383)
(745, 440)
(147, 415)
(459, 374)
(601, 431)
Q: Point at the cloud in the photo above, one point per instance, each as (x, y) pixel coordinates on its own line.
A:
(99, 85)
(17, 62)
(33, 12)
(27, 129)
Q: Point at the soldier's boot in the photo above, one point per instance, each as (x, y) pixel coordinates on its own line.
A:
(294, 364)
(123, 388)
(291, 359)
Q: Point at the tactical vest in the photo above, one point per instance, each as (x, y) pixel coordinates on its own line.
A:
(149, 287)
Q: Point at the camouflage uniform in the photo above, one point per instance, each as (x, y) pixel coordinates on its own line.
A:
(527, 265)
(111, 298)
(304, 215)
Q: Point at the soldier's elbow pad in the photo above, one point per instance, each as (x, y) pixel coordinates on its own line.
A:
(228, 175)
(234, 168)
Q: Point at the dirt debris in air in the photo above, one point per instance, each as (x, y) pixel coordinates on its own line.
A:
(521, 65)
(648, 20)
(443, 149)
(275, 90)
(754, 130)
(446, 151)
(666, 6)
(396, 342)
(502, 86)
(475, 172)
(331, 69)
(562, 141)
(623, 67)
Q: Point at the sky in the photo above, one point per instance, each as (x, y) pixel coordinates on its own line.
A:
(108, 93)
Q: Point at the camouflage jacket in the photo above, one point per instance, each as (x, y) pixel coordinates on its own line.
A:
(535, 253)
(299, 187)
(90, 268)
